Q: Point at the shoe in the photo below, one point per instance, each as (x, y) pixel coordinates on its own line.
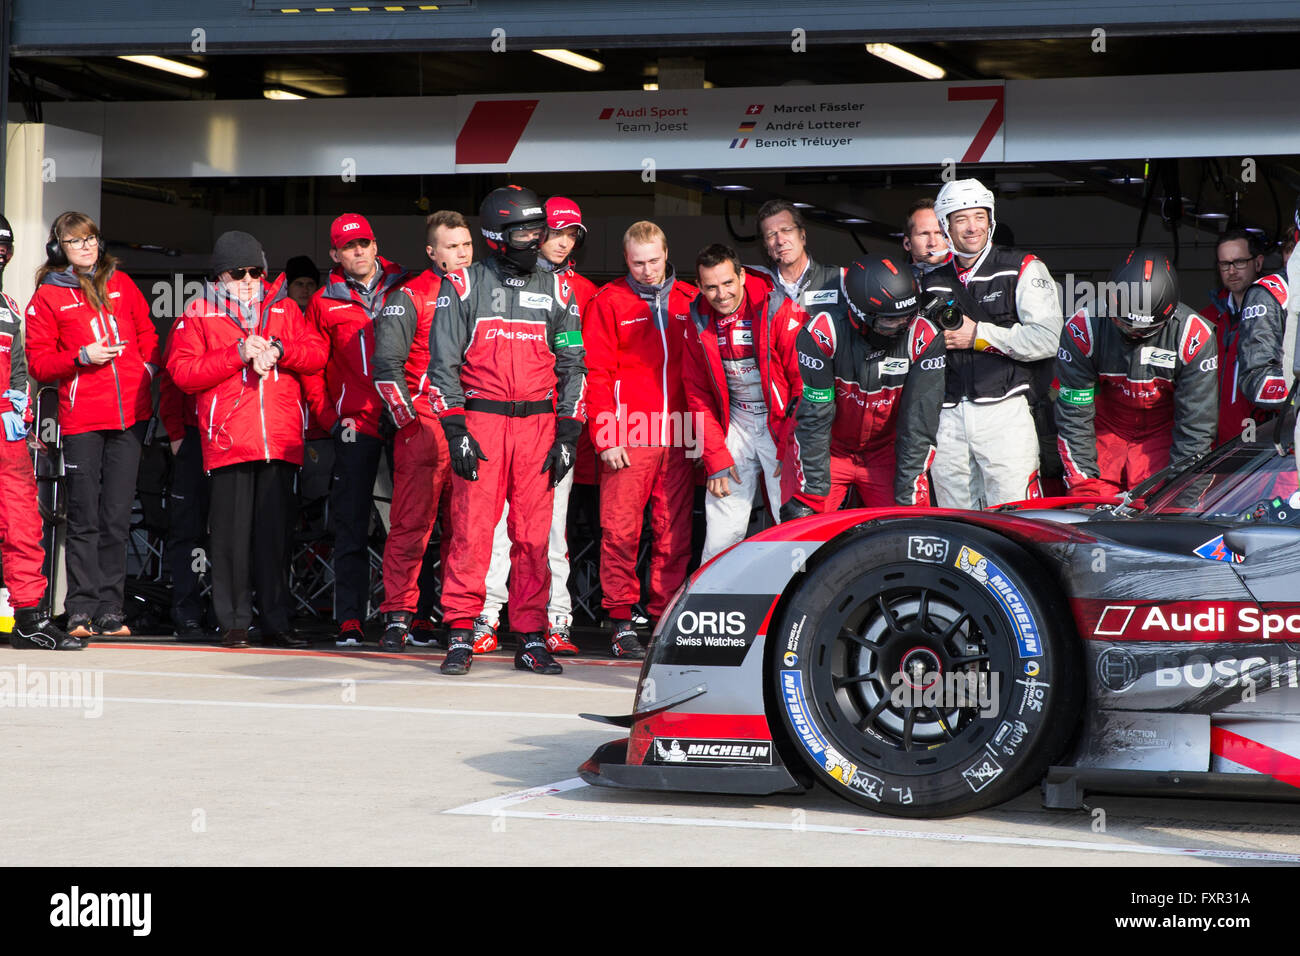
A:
(485, 637)
(532, 655)
(422, 634)
(626, 645)
(286, 639)
(397, 624)
(350, 634)
(557, 640)
(79, 626)
(192, 632)
(111, 625)
(460, 652)
(33, 629)
(235, 637)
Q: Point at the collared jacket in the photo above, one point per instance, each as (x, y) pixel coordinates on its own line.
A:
(768, 322)
(634, 336)
(1264, 376)
(60, 322)
(345, 317)
(244, 416)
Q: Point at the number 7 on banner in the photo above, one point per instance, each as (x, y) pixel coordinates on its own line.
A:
(992, 123)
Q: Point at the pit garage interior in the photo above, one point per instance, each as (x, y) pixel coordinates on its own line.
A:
(1096, 128)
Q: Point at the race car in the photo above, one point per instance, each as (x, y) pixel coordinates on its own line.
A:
(927, 662)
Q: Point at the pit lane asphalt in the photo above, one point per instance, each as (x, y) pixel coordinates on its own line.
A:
(203, 756)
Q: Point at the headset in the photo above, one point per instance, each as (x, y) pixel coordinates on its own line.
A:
(57, 256)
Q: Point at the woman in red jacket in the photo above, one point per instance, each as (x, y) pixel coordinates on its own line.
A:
(89, 330)
(241, 349)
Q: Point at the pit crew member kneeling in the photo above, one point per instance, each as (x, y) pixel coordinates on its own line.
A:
(1139, 390)
(507, 381)
(873, 384)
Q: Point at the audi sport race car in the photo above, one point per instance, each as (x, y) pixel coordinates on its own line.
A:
(935, 662)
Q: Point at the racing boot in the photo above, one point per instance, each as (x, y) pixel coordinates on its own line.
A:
(34, 629)
(350, 634)
(626, 645)
(485, 636)
(460, 652)
(422, 633)
(532, 655)
(396, 626)
(558, 642)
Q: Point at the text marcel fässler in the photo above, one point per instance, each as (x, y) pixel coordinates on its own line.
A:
(770, 131)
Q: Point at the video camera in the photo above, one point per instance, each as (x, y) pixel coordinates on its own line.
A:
(944, 311)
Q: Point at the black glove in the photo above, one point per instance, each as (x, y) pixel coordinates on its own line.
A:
(794, 508)
(562, 454)
(465, 452)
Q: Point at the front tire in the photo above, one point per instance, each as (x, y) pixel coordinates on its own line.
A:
(927, 669)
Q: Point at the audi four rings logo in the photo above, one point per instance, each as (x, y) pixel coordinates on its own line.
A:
(811, 362)
(1209, 363)
(1038, 283)
(932, 364)
(1253, 311)
(349, 226)
(443, 302)
(1063, 355)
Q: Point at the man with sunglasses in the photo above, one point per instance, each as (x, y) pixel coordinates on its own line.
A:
(344, 401)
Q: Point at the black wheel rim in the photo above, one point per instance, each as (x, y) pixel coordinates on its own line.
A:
(893, 644)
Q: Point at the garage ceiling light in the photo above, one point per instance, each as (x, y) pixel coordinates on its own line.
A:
(854, 221)
(282, 95)
(802, 205)
(569, 58)
(649, 87)
(908, 61)
(187, 70)
(732, 189)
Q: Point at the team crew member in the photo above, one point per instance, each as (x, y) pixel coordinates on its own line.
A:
(304, 280)
(873, 384)
(20, 521)
(507, 383)
(1264, 355)
(420, 474)
(988, 446)
(89, 330)
(1240, 262)
(241, 348)
(634, 328)
(564, 236)
(741, 371)
(923, 239)
(813, 287)
(346, 404)
(187, 500)
(1149, 375)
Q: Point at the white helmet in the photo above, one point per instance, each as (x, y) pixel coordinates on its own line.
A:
(964, 194)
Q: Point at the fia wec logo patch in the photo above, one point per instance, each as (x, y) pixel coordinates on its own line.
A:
(535, 300)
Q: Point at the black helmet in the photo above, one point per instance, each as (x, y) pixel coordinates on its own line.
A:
(509, 210)
(881, 294)
(1143, 293)
(6, 231)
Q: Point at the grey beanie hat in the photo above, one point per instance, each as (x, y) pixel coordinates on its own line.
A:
(234, 250)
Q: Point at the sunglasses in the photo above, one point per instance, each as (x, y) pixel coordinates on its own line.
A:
(256, 272)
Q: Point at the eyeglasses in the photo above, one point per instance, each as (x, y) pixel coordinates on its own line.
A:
(256, 272)
(784, 232)
(81, 242)
(1227, 265)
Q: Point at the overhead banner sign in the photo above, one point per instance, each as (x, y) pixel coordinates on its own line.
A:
(752, 127)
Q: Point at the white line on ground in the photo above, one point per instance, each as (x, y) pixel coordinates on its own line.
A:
(430, 681)
(79, 701)
(498, 806)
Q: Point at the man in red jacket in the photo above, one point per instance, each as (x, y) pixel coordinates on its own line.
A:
(241, 349)
(634, 329)
(564, 234)
(402, 333)
(740, 369)
(344, 401)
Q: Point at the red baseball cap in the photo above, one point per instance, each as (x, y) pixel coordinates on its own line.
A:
(347, 227)
(562, 212)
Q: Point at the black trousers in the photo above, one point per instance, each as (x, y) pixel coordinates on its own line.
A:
(250, 518)
(101, 469)
(187, 528)
(356, 462)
